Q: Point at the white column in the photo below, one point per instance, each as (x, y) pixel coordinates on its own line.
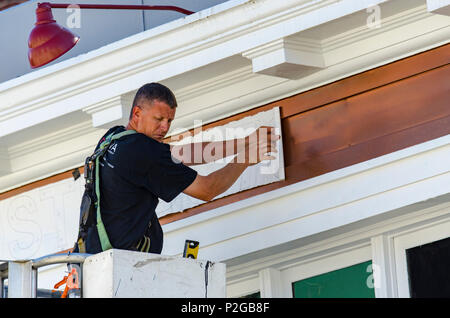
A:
(383, 266)
(20, 280)
(270, 283)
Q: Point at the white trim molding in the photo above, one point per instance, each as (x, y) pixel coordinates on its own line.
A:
(338, 198)
(324, 252)
(270, 283)
(111, 112)
(383, 260)
(287, 58)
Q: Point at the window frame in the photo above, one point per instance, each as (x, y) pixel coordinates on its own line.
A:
(428, 233)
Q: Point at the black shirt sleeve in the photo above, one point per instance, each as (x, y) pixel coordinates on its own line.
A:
(167, 178)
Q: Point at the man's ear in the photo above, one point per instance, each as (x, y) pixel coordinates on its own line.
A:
(136, 113)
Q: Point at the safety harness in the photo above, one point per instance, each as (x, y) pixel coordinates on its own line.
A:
(90, 204)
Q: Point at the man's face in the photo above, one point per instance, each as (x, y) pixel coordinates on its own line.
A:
(154, 118)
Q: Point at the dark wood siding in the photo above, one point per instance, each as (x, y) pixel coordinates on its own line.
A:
(356, 119)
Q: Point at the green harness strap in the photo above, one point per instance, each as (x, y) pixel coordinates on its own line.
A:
(104, 240)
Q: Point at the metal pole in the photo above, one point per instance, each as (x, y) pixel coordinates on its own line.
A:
(118, 7)
(23, 275)
(34, 274)
(3, 276)
(77, 258)
(71, 258)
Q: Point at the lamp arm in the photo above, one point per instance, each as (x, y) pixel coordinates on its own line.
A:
(48, 40)
(116, 7)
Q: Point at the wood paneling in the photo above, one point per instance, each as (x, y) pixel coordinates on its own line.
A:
(367, 81)
(373, 114)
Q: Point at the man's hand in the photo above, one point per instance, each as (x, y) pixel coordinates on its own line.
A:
(257, 146)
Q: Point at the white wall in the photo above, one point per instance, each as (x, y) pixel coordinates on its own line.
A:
(41, 221)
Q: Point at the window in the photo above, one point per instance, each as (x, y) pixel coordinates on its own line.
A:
(428, 269)
(427, 243)
(254, 295)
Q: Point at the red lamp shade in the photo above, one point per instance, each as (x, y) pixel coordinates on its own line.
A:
(48, 40)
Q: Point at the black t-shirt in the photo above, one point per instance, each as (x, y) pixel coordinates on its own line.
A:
(135, 171)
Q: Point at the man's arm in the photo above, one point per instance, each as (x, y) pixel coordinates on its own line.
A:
(205, 152)
(256, 150)
(208, 187)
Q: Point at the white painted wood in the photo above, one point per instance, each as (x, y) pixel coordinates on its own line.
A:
(50, 154)
(348, 195)
(439, 6)
(285, 58)
(112, 112)
(122, 274)
(41, 221)
(383, 263)
(19, 280)
(243, 287)
(342, 247)
(4, 161)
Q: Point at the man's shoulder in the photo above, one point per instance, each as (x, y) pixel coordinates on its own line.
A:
(141, 141)
(112, 130)
(137, 146)
(132, 137)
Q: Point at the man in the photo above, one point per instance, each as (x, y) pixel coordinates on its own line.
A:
(139, 168)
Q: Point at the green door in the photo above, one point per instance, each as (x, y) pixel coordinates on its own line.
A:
(350, 282)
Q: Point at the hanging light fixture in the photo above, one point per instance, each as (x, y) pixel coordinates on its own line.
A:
(48, 40)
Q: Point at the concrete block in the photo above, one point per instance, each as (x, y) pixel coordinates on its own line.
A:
(123, 274)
